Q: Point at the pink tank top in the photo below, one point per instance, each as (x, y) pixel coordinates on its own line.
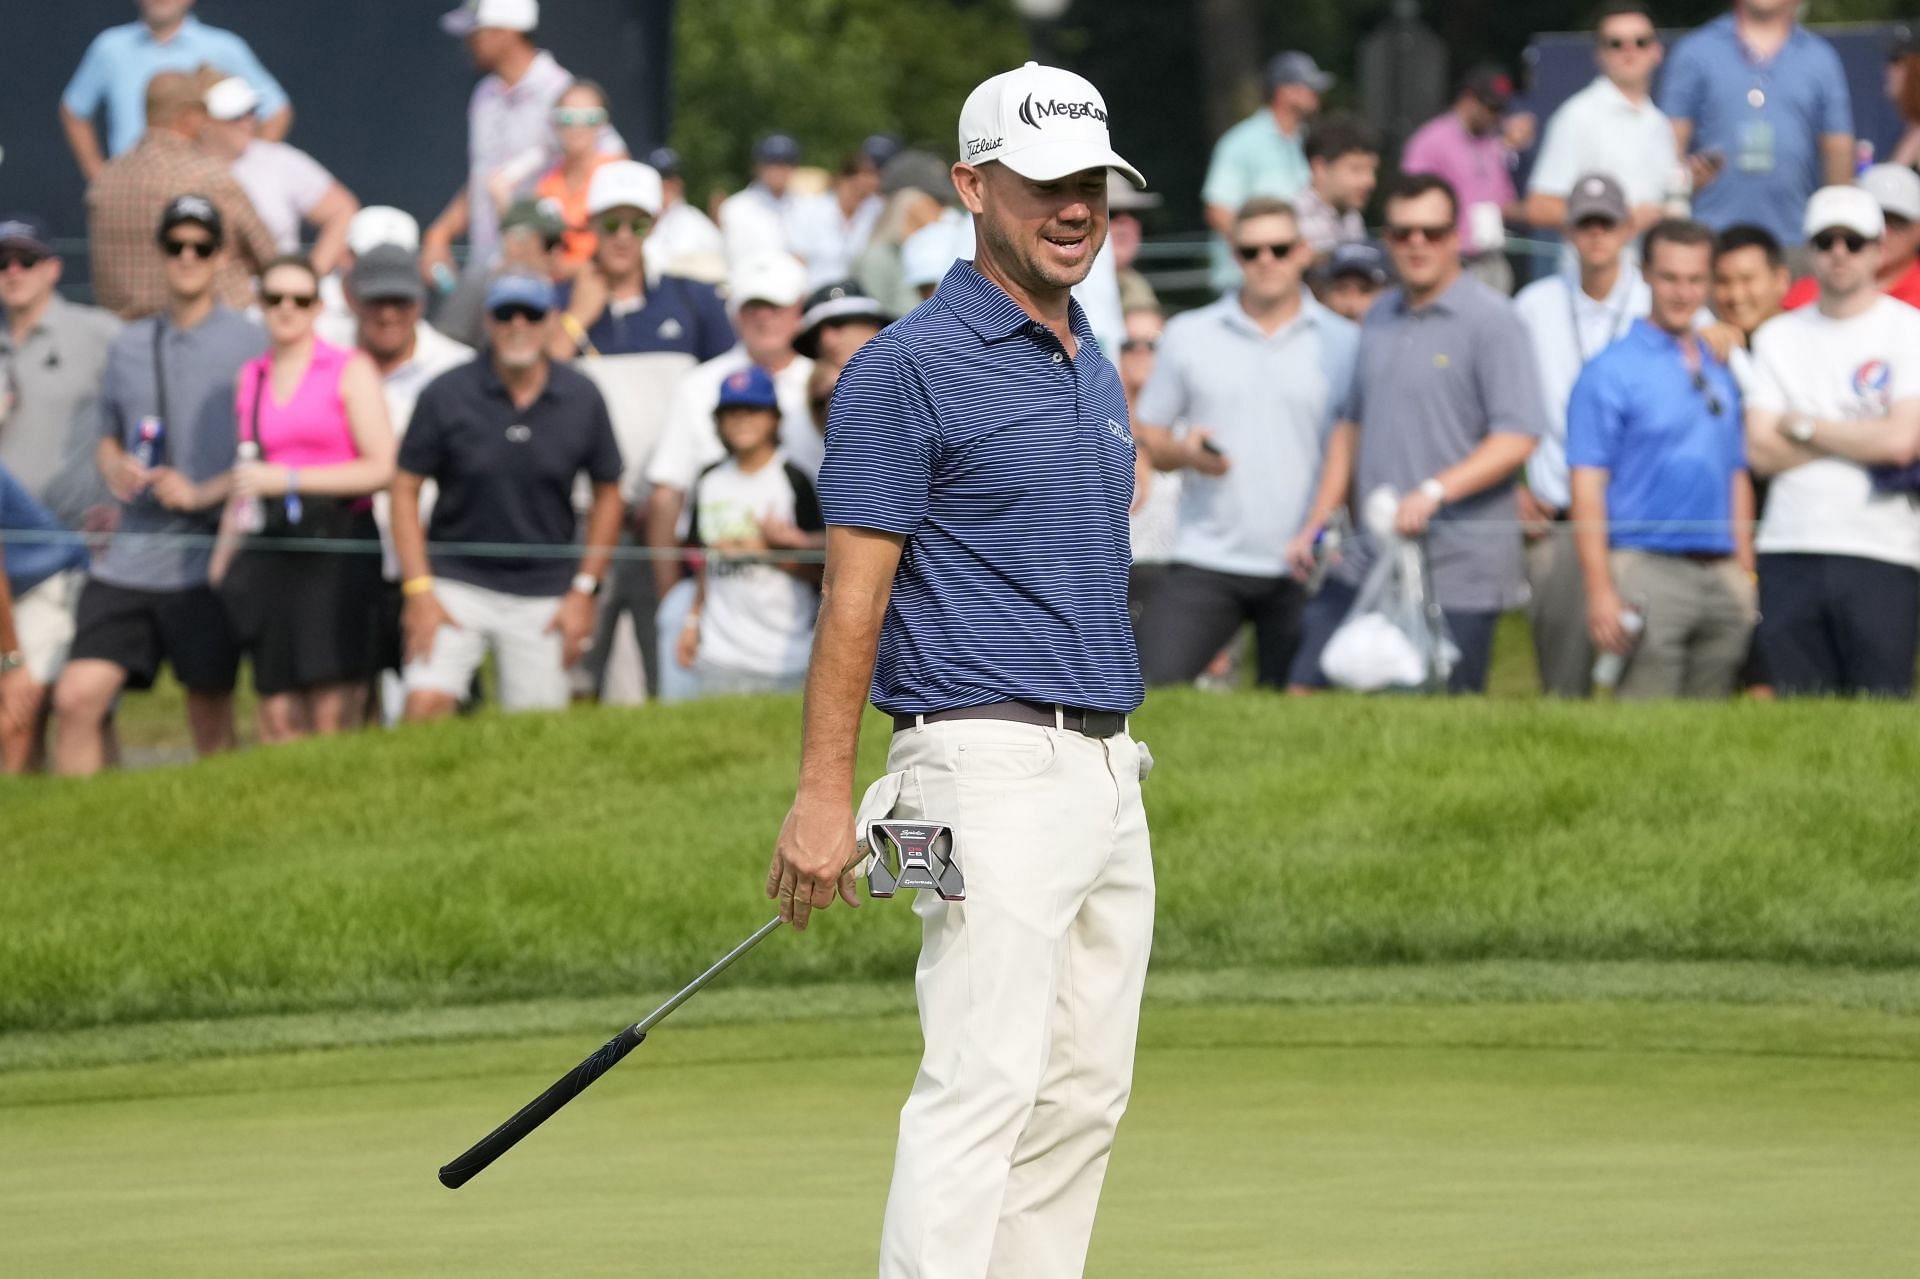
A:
(311, 428)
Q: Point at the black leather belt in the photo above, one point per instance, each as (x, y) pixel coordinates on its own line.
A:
(1041, 715)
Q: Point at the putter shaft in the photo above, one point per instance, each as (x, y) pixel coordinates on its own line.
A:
(692, 988)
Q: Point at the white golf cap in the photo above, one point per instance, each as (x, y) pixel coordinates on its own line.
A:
(625, 183)
(779, 278)
(508, 15)
(232, 99)
(1895, 188)
(1041, 122)
(379, 224)
(1846, 208)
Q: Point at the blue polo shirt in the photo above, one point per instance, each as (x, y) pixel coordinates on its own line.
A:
(121, 60)
(1670, 458)
(1772, 150)
(1008, 467)
(675, 315)
(51, 549)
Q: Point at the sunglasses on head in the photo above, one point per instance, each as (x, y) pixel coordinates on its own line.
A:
(25, 259)
(1617, 43)
(202, 249)
(274, 301)
(1854, 241)
(511, 311)
(639, 224)
(1252, 252)
(571, 117)
(1427, 234)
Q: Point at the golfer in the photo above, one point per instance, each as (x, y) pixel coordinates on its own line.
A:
(978, 471)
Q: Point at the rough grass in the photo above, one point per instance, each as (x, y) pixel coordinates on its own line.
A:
(608, 852)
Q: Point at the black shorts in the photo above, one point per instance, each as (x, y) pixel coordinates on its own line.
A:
(137, 630)
(309, 618)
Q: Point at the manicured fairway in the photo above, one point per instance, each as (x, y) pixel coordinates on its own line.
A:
(1559, 1140)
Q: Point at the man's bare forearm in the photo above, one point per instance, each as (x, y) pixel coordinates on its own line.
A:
(603, 529)
(853, 605)
(84, 143)
(663, 519)
(1590, 537)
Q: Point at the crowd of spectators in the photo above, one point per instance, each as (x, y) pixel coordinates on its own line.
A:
(585, 447)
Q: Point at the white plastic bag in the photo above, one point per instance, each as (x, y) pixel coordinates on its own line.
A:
(1394, 637)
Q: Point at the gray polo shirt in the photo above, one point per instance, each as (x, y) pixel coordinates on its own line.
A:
(49, 406)
(1270, 402)
(201, 364)
(1431, 385)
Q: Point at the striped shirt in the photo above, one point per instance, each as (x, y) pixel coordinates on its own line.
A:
(1008, 467)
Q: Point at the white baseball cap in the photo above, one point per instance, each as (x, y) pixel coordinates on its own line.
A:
(1847, 208)
(1895, 188)
(624, 183)
(379, 224)
(1041, 122)
(779, 278)
(508, 15)
(232, 99)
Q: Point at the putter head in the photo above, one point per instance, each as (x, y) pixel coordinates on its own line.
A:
(913, 855)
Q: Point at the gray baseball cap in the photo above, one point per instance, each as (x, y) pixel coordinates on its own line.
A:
(1295, 67)
(387, 272)
(1596, 196)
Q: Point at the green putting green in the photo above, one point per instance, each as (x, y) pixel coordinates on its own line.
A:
(1574, 1139)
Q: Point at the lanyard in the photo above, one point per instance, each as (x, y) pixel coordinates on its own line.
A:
(1616, 320)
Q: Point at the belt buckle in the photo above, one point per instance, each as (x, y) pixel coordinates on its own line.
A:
(1101, 723)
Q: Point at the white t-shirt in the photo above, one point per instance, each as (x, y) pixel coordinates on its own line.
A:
(757, 617)
(682, 232)
(1598, 130)
(826, 240)
(1838, 370)
(754, 221)
(689, 442)
(283, 183)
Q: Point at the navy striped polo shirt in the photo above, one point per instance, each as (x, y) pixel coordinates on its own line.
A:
(1008, 467)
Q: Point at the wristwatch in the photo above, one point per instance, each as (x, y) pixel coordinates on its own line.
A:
(11, 662)
(1799, 428)
(586, 584)
(1434, 491)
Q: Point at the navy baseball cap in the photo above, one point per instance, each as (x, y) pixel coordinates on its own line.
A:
(665, 161)
(1357, 257)
(521, 290)
(777, 148)
(197, 210)
(749, 388)
(879, 148)
(1295, 67)
(26, 231)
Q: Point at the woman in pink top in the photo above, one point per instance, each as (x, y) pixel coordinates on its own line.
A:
(315, 445)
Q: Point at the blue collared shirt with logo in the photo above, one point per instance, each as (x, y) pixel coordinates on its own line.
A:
(1008, 467)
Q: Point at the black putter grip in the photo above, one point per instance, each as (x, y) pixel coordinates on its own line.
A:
(536, 1112)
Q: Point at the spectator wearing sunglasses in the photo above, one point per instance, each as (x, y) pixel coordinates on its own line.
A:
(1445, 408)
(1259, 378)
(579, 119)
(505, 437)
(1662, 503)
(1833, 416)
(1896, 189)
(316, 446)
(1611, 127)
(167, 441)
(128, 277)
(53, 355)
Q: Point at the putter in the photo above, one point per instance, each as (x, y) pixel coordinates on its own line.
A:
(913, 855)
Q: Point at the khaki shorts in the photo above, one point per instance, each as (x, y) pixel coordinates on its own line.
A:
(44, 620)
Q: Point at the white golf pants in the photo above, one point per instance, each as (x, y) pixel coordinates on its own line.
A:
(1029, 995)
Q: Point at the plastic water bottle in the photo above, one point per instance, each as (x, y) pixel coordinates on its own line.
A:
(1609, 667)
(249, 516)
(150, 442)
